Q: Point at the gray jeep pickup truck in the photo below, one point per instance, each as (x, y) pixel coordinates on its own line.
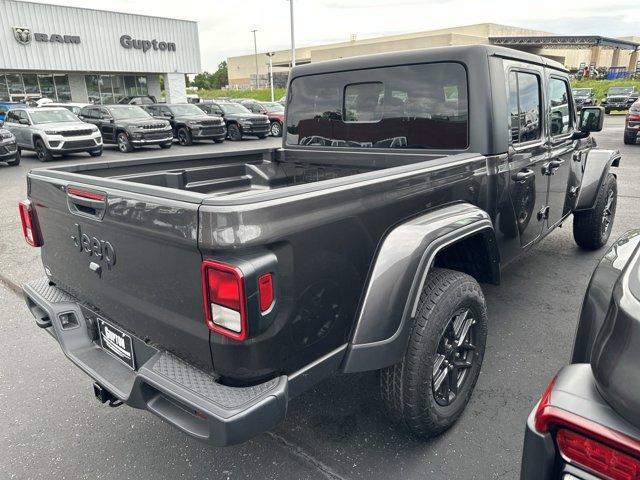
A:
(213, 289)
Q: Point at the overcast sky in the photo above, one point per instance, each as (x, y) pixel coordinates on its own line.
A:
(225, 26)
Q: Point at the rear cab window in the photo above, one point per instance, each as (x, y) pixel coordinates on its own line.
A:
(423, 106)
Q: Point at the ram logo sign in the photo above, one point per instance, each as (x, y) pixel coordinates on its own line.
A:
(24, 36)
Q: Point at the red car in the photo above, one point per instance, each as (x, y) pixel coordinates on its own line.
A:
(632, 124)
(274, 110)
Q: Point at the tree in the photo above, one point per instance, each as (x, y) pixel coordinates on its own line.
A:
(212, 81)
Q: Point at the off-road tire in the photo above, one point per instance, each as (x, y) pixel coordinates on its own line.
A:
(42, 152)
(589, 230)
(407, 387)
(16, 161)
(184, 136)
(234, 133)
(607, 111)
(630, 138)
(124, 142)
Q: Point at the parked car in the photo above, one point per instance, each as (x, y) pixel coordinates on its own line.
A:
(189, 123)
(52, 131)
(273, 110)
(239, 120)
(584, 97)
(214, 289)
(138, 100)
(9, 152)
(619, 98)
(6, 106)
(128, 126)
(74, 108)
(587, 423)
(632, 124)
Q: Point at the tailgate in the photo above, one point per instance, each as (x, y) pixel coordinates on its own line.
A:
(132, 257)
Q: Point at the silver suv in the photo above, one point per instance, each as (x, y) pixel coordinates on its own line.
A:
(52, 131)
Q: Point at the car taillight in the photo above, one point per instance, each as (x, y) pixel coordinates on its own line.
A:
(597, 457)
(587, 444)
(265, 291)
(224, 299)
(30, 227)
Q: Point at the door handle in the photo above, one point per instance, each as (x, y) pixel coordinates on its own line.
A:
(551, 167)
(523, 175)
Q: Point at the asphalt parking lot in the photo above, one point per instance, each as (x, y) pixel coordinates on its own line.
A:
(52, 427)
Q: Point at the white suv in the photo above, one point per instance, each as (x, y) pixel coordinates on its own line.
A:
(52, 131)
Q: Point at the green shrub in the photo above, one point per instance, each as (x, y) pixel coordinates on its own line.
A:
(263, 94)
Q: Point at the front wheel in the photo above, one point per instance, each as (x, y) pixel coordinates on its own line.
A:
(630, 138)
(276, 129)
(234, 133)
(184, 136)
(428, 390)
(124, 143)
(592, 228)
(42, 152)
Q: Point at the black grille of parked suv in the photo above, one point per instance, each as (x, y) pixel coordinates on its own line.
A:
(154, 126)
(76, 133)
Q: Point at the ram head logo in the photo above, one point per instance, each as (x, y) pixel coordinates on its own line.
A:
(23, 35)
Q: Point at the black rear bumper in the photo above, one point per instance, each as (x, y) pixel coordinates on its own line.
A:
(174, 390)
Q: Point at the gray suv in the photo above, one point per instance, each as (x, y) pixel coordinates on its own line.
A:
(52, 131)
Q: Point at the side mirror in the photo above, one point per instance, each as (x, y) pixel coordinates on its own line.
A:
(167, 115)
(24, 121)
(591, 119)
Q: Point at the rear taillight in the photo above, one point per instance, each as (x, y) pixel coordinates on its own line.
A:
(265, 291)
(224, 299)
(30, 227)
(596, 456)
(584, 443)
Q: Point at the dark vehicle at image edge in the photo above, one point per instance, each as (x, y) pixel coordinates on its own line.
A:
(128, 126)
(584, 97)
(9, 151)
(273, 110)
(239, 120)
(189, 123)
(587, 423)
(632, 124)
(213, 289)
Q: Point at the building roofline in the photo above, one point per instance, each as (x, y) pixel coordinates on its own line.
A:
(565, 41)
(102, 10)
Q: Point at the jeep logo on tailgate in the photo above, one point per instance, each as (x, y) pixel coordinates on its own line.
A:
(93, 246)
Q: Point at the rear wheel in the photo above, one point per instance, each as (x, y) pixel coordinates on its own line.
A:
(124, 142)
(42, 152)
(234, 133)
(592, 228)
(428, 390)
(16, 160)
(630, 138)
(184, 136)
(276, 129)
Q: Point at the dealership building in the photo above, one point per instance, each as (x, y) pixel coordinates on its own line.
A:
(574, 51)
(85, 55)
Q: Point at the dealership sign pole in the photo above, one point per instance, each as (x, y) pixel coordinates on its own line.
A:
(293, 42)
(255, 53)
(270, 55)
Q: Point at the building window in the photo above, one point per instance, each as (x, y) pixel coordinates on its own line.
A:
(31, 86)
(106, 89)
(4, 91)
(63, 92)
(47, 87)
(16, 87)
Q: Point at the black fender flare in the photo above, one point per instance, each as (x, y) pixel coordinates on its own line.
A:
(404, 258)
(596, 166)
(598, 299)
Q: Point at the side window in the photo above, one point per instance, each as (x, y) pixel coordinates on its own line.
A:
(217, 110)
(363, 102)
(84, 112)
(560, 111)
(524, 106)
(11, 117)
(23, 115)
(165, 111)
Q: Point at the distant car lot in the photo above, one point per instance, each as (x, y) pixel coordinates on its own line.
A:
(534, 315)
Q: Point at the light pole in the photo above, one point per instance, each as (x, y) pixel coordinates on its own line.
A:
(255, 52)
(293, 40)
(270, 55)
